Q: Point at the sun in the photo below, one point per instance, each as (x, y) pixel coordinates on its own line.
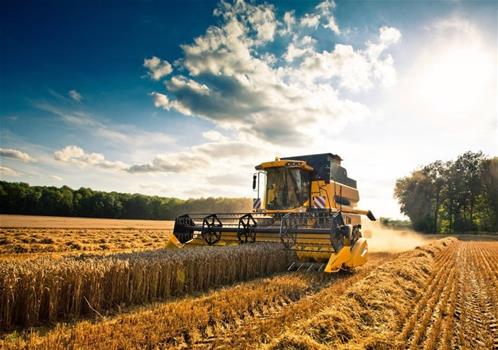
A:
(456, 78)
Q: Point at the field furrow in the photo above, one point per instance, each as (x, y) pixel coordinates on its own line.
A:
(442, 295)
(443, 339)
(412, 326)
(261, 329)
(488, 296)
(433, 332)
(181, 323)
(367, 314)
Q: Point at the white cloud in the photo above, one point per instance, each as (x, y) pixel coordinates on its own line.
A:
(218, 150)
(170, 163)
(226, 79)
(197, 157)
(157, 68)
(56, 178)
(310, 20)
(299, 47)
(389, 35)
(75, 95)
(271, 103)
(8, 172)
(289, 21)
(357, 70)
(215, 136)
(322, 12)
(294, 52)
(260, 18)
(332, 25)
(16, 154)
(325, 7)
(160, 100)
(76, 155)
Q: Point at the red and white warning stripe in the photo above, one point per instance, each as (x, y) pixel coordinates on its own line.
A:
(256, 203)
(319, 202)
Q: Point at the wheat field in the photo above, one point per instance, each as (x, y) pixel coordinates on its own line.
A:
(440, 295)
(25, 236)
(47, 290)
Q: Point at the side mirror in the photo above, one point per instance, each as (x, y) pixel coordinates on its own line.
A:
(254, 178)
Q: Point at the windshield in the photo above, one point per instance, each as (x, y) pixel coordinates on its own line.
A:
(287, 188)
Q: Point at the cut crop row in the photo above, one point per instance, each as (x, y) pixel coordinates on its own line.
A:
(179, 323)
(258, 309)
(368, 314)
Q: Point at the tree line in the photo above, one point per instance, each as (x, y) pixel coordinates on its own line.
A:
(21, 198)
(453, 196)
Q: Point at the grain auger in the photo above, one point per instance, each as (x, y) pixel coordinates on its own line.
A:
(307, 203)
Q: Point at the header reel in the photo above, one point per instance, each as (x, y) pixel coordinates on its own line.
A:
(318, 229)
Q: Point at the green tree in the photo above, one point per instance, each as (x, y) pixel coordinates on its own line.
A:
(456, 196)
(415, 195)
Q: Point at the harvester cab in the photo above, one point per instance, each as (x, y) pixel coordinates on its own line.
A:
(307, 203)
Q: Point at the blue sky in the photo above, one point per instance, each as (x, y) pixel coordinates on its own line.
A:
(183, 98)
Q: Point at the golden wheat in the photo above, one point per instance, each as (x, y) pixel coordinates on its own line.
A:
(187, 319)
(443, 295)
(219, 318)
(47, 290)
(24, 242)
(367, 314)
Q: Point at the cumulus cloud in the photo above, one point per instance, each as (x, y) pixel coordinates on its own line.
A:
(228, 77)
(389, 35)
(75, 95)
(332, 25)
(173, 163)
(289, 21)
(15, 154)
(260, 18)
(76, 155)
(5, 171)
(322, 13)
(299, 47)
(213, 135)
(357, 70)
(219, 149)
(325, 9)
(197, 157)
(310, 20)
(157, 68)
(160, 100)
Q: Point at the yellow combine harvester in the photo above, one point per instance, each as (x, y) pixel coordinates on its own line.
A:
(308, 203)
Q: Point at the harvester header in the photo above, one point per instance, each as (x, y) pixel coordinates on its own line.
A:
(308, 203)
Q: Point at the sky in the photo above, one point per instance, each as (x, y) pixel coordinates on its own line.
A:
(184, 98)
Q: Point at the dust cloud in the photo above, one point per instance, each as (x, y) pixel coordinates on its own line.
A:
(384, 239)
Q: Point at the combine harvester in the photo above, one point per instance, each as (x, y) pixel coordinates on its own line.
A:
(308, 203)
